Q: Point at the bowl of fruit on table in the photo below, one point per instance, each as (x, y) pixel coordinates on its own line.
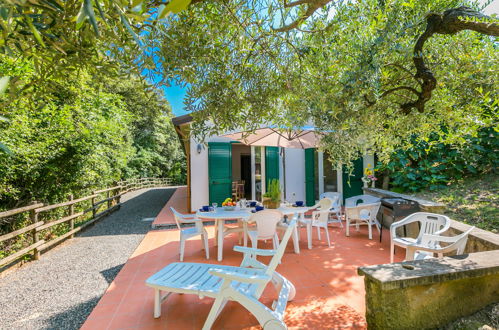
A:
(229, 205)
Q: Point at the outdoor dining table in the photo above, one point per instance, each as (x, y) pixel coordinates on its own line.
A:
(220, 215)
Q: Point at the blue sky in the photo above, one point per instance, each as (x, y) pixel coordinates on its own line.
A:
(175, 94)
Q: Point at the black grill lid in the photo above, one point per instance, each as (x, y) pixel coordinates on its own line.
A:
(396, 201)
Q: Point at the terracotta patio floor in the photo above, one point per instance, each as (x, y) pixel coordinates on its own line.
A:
(177, 201)
(330, 294)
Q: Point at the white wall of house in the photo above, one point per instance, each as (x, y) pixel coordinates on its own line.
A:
(295, 174)
(199, 175)
(368, 160)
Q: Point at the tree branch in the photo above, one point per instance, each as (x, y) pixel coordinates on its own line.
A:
(449, 22)
(312, 7)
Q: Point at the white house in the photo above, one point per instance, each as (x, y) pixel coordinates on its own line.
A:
(304, 173)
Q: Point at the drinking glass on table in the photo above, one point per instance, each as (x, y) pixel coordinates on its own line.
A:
(214, 206)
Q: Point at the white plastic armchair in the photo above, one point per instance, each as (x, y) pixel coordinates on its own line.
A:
(361, 199)
(337, 199)
(430, 223)
(430, 245)
(319, 219)
(244, 284)
(362, 214)
(189, 232)
(266, 227)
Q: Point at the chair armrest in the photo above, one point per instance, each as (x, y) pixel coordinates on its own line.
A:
(240, 277)
(444, 229)
(407, 220)
(190, 220)
(259, 252)
(438, 238)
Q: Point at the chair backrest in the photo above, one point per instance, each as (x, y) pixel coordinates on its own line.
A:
(178, 217)
(325, 204)
(336, 197)
(266, 222)
(361, 199)
(363, 211)
(321, 216)
(430, 222)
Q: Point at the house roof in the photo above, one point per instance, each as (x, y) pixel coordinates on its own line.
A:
(184, 119)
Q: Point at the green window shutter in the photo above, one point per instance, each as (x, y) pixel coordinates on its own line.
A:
(310, 176)
(219, 171)
(353, 187)
(271, 164)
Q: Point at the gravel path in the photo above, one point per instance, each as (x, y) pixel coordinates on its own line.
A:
(60, 290)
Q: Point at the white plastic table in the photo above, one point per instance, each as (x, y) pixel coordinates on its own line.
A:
(300, 210)
(220, 215)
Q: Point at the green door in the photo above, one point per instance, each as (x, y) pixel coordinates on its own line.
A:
(310, 176)
(271, 164)
(219, 171)
(353, 187)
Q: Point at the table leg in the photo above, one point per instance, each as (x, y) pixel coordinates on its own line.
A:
(216, 232)
(309, 235)
(245, 233)
(296, 241)
(220, 239)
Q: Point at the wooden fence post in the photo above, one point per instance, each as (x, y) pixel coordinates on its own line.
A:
(93, 206)
(118, 196)
(71, 211)
(109, 201)
(33, 215)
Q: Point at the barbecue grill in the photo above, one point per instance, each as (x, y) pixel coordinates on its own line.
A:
(395, 209)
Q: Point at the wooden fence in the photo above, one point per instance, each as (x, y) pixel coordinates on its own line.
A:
(101, 203)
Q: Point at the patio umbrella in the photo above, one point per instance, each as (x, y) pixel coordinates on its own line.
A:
(300, 138)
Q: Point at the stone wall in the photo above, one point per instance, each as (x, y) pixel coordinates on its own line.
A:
(479, 240)
(430, 293)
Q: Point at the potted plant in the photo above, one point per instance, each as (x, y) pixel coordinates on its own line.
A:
(272, 198)
(369, 177)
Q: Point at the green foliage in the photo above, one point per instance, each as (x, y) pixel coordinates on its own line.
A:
(85, 134)
(242, 74)
(474, 200)
(273, 190)
(433, 164)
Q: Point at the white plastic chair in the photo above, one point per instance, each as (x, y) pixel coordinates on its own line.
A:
(361, 199)
(189, 232)
(319, 219)
(266, 227)
(244, 284)
(430, 223)
(430, 245)
(337, 198)
(362, 214)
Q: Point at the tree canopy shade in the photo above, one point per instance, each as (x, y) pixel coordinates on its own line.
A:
(369, 73)
(353, 68)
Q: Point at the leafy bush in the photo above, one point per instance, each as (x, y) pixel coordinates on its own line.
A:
(86, 134)
(431, 164)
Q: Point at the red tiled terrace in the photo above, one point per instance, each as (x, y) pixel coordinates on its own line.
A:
(330, 294)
